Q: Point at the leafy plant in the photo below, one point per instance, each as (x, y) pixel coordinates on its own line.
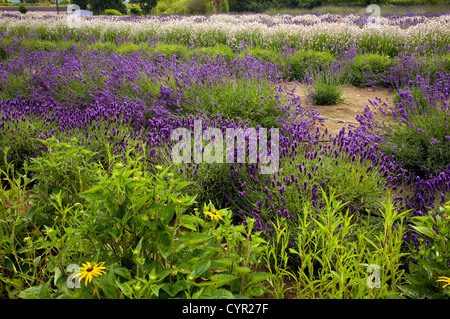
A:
(335, 253)
(421, 139)
(366, 68)
(135, 10)
(311, 61)
(431, 259)
(23, 9)
(326, 89)
(112, 12)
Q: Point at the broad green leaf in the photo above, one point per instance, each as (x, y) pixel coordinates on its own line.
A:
(425, 231)
(201, 267)
(260, 276)
(57, 275)
(173, 290)
(125, 288)
(182, 185)
(191, 238)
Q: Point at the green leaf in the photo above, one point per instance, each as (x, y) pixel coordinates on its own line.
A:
(242, 270)
(197, 294)
(37, 260)
(167, 213)
(109, 286)
(57, 275)
(190, 222)
(173, 290)
(141, 201)
(260, 276)
(191, 238)
(425, 231)
(156, 288)
(94, 192)
(221, 294)
(201, 267)
(123, 272)
(182, 185)
(125, 288)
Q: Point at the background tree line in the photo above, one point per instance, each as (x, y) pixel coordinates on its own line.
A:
(208, 6)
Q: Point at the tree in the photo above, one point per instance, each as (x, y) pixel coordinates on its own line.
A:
(81, 3)
(99, 6)
(146, 5)
(220, 5)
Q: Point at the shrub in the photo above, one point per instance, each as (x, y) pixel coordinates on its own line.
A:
(266, 55)
(23, 9)
(112, 12)
(366, 69)
(254, 102)
(135, 10)
(311, 61)
(198, 6)
(422, 142)
(168, 50)
(220, 50)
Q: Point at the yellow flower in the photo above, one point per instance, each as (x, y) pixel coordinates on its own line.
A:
(90, 271)
(444, 279)
(214, 215)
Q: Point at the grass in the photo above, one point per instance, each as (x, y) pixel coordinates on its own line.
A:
(327, 89)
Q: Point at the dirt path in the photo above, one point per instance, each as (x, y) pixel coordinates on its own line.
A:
(354, 100)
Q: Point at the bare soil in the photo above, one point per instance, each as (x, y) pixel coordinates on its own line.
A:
(353, 102)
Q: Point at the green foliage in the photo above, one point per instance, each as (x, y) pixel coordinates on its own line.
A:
(23, 9)
(326, 89)
(133, 220)
(218, 50)
(135, 10)
(309, 4)
(30, 253)
(255, 102)
(146, 5)
(99, 6)
(3, 55)
(365, 68)
(199, 6)
(21, 142)
(421, 144)
(81, 3)
(112, 12)
(168, 50)
(184, 6)
(358, 183)
(431, 257)
(309, 61)
(64, 168)
(268, 55)
(336, 253)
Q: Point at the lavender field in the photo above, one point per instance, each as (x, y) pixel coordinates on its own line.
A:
(95, 206)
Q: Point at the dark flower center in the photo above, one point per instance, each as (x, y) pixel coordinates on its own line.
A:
(90, 269)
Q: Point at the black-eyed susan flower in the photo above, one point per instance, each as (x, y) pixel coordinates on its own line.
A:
(88, 271)
(211, 212)
(444, 279)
